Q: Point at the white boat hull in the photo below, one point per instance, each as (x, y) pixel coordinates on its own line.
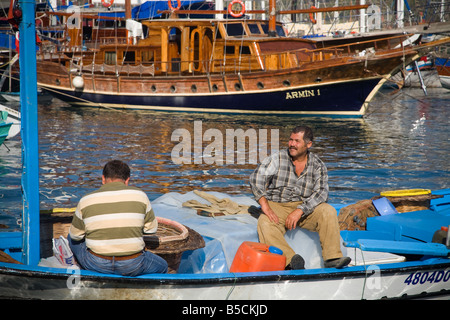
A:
(404, 280)
(445, 81)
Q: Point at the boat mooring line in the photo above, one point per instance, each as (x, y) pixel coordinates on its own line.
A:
(232, 287)
(365, 276)
(99, 105)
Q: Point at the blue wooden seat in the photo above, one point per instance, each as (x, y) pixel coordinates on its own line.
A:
(400, 247)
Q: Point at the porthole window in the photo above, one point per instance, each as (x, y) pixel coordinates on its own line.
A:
(173, 89)
(286, 83)
(153, 88)
(194, 88)
(237, 86)
(214, 88)
(260, 85)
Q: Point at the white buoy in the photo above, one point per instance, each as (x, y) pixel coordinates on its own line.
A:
(78, 82)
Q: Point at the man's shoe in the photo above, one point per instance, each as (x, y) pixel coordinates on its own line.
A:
(337, 263)
(297, 263)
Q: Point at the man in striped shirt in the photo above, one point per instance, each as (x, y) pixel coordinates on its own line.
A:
(292, 188)
(107, 229)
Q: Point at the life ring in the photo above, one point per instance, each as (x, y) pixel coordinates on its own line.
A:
(311, 16)
(240, 13)
(405, 193)
(107, 3)
(172, 8)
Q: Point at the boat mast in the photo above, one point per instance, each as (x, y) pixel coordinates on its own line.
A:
(272, 19)
(127, 9)
(29, 132)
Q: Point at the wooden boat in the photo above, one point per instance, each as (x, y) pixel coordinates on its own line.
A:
(442, 63)
(237, 66)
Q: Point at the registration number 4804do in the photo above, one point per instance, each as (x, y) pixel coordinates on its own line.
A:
(424, 277)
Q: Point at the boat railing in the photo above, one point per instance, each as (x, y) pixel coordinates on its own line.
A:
(230, 64)
(235, 65)
(388, 43)
(443, 51)
(112, 40)
(141, 69)
(58, 56)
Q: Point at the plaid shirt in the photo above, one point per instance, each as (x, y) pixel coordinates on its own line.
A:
(276, 180)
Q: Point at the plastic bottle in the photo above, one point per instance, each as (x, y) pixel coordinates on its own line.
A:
(441, 236)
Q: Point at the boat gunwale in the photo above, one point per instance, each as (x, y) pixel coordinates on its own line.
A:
(50, 87)
(226, 278)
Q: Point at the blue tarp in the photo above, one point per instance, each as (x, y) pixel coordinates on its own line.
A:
(150, 9)
(7, 41)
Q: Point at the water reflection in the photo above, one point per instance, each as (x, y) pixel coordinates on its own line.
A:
(403, 142)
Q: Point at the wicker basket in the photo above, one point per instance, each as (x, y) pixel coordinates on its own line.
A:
(171, 240)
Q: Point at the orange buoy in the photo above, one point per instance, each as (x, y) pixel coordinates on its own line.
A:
(311, 16)
(172, 8)
(238, 14)
(107, 3)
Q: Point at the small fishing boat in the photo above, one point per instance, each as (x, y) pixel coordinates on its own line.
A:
(5, 127)
(224, 66)
(12, 117)
(442, 62)
(393, 257)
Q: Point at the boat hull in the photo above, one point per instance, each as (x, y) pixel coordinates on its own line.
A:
(445, 81)
(390, 281)
(14, 119)
(443, 69)
(344, 98)
(4, 131)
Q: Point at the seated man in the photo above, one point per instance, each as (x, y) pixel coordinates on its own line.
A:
(292, 188)
(107, 229)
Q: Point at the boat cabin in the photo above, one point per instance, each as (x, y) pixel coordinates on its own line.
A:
(196, 47)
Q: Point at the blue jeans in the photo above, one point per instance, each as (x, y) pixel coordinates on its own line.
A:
(146, 263)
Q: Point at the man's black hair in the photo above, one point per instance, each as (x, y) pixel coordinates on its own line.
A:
(116, 169)
(307, 133)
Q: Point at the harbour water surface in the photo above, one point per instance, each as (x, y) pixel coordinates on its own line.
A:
(402, 142)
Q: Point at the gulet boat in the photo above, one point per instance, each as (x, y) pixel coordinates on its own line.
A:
(223, 66)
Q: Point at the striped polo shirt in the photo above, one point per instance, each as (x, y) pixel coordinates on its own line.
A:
(113, 219)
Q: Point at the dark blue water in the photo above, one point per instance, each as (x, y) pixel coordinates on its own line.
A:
(402, 142)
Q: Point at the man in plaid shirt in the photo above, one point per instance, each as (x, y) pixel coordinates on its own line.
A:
(292, 188)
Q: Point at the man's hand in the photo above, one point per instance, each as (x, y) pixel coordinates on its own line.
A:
(293, 218)
(268, 210)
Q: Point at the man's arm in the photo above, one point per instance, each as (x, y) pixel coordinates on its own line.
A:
(259, 181)
(77, 228)
(267, 210)
(263, 174)
(293, 218)
(150, 222)
(319, 190)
